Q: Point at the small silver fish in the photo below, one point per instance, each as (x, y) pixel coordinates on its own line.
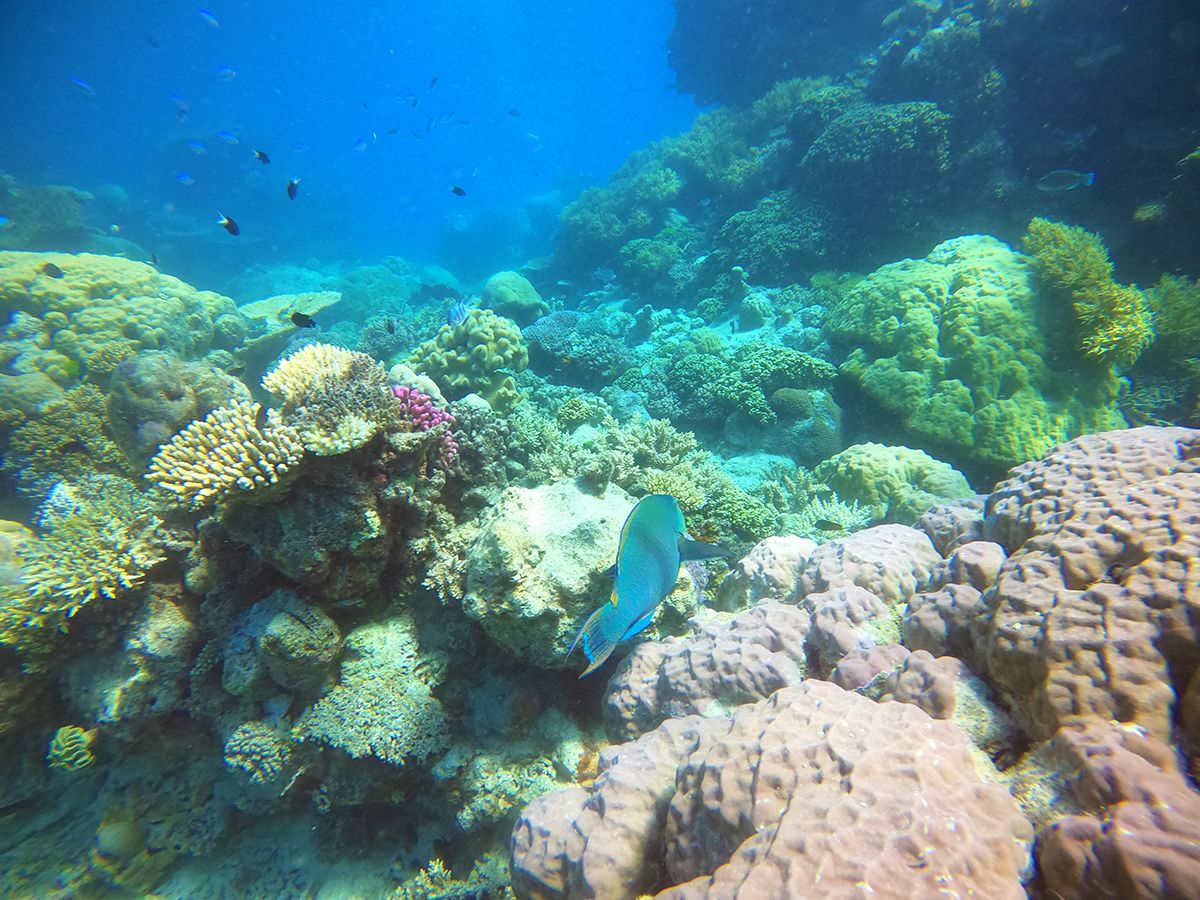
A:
(1065, 180)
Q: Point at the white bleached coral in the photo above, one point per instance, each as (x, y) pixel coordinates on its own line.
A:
(224, 454)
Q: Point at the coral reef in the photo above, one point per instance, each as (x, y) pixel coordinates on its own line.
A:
(954, 346)
(70, 749)
(224, 455)
(478, 356)
(1114, 320)
(509, 294)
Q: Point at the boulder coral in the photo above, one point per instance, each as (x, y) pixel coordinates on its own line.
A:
(60, 325)
(510, 294)
(954, 345)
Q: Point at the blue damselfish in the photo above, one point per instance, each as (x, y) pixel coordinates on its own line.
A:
(652, 547)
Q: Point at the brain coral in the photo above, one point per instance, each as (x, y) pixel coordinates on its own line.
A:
(100, 301)
(1093, 616)
(478, 356)
(813, 792)
(510, 294)
(953, 346)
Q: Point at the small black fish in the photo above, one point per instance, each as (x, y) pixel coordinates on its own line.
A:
(75, 446)
(52, 270)
(236, 370)
(154, 260)
(457, 191)
(827, 525)
(393, 131)
(292, 187)
(391, 327)
(433, 82)
(303, 320)
(228, 224)
(262, 157)
(515, 113)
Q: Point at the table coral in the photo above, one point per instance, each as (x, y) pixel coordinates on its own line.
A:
(97, 541)
(1114, 320)
(336, 400)
(477, 356)
(224, 454)
(953, 346)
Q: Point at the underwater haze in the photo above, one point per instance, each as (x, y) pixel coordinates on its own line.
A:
(685, 449)
(379, 108)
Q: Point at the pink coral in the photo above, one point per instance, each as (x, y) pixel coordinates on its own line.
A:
(422, 414)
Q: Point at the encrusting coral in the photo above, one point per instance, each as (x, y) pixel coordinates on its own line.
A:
(225, 454)
(70, 748)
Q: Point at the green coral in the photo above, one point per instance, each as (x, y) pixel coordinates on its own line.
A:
(956, 347)
(98, 541)
(69, 440)
(1114, 320)
(478, 356)
(1175, 302)
(634, 204)
(646, 262)
(893, 484)
(383, 705)
(510, 294)
(709, 386)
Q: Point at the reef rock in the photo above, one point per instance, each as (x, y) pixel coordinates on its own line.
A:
(534, 573)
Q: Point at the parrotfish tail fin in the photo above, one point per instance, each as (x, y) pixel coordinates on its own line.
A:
(598, 645)
(690, 551)
(1090, 179)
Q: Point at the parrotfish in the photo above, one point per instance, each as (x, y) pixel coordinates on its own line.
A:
(652, 546)
(1065, 180)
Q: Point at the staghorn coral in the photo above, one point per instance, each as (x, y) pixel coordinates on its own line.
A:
(478, 356)
(224, 455)
(98, 540)
(1114, 320)
(70, 748)
(1175, 302)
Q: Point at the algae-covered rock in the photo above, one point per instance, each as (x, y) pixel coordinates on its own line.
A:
(534, 573)
(285, 640)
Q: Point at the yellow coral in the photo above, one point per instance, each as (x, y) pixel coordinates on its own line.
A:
(308, 369)
(224, 454)
(97, 541)
(100, 300)
(1114, 319)
(1176, 305)
(477, 356)
(679, 483)
(70, 748)
(336, 399)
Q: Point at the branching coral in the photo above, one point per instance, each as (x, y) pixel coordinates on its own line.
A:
(259, 750)
(225, 454)
(1114, 320)
(418, 412)
(69, 440)
(97, 541)
(1176, 305)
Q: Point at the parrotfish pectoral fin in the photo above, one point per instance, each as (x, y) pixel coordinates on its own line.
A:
(637, 626)
(610, 572)
(690, 550)
(597, 646)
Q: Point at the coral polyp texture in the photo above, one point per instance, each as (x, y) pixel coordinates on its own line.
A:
(480, 356)
(224, 455)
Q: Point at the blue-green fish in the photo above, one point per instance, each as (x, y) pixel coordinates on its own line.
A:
(651, 549)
